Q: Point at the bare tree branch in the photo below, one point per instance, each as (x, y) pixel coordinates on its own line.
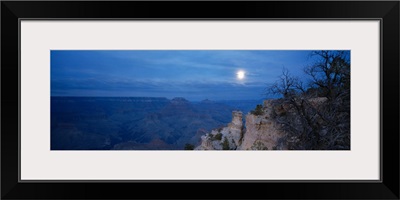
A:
(317, 116)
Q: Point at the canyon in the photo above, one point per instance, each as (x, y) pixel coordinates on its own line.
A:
(136, 123)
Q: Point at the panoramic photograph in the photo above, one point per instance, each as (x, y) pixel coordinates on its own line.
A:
(192, 100)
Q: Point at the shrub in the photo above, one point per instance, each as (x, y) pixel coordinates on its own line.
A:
(189, 146)
(258, 145)
(225, 145)
(258, 110)
(218, 136)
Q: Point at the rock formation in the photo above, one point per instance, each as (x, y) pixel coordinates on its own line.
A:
(262, 131)
(224, 138)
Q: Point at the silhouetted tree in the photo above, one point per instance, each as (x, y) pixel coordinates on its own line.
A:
(287, 85)
(331, 73)
(317, 117)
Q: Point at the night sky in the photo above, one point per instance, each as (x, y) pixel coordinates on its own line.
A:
(192, 74)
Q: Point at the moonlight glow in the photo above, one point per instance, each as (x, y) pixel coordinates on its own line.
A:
(240, 75)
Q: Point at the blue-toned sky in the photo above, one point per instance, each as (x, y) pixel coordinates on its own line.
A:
(192, 74)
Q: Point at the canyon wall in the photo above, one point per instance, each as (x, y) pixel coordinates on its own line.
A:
(260, 131)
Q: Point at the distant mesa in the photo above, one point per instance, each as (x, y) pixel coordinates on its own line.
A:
(179, 100)
(207, 101)
(107, 99)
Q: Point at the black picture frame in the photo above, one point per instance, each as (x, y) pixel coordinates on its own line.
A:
(386, 11)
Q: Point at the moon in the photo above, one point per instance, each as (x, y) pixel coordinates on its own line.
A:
(240, 75)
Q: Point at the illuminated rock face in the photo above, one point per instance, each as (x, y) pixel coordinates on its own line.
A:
(230, 135)
(235, 128)
(262, 132)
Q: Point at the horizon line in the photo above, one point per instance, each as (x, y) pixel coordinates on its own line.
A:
(158, 98)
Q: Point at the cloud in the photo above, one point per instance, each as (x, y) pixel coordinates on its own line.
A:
(194, 73)
(156, 87)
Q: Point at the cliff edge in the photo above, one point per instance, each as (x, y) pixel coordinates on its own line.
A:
(260, 132)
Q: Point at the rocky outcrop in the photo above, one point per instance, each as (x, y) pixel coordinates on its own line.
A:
(235, 129)
(224, 138)
(262, 131)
